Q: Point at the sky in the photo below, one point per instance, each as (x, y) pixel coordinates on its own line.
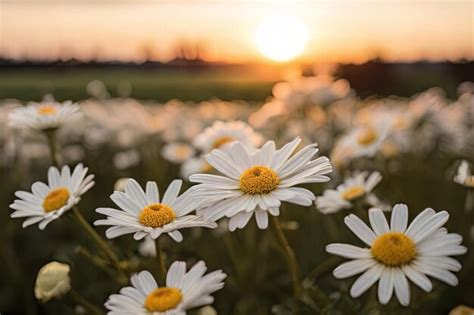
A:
(225, 30)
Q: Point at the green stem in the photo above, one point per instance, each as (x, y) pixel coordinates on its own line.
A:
(97, 238)
(161, 261)
(323, 267)
(90, 308)
(53, 146)
(97, 261)
(289, 255)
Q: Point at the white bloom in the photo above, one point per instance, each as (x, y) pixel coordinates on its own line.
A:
(177, 152)
(48, 202)
(464, 175)
(53, 281)
(126, 159)
(44, 115)
(142, 212)
(256, 183)
(365, 140)
(183, 291)
(222, 134)
(194, 165)
(354, 188)
(396, 253)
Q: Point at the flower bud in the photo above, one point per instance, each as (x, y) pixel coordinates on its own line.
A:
(53, 281)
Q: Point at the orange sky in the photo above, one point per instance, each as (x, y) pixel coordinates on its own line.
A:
(338, 30)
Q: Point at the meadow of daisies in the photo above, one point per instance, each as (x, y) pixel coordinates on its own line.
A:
(314, 202)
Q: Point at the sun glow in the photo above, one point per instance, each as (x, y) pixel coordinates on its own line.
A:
(281, 37)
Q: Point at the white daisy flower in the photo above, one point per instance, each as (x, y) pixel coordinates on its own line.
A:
(194, 165)
(464, 175)
(222, 134)
(44, 115)
(183, 291)
(256, 183)
(396, 253)
(177, 152)
(47, 202)
(354, 189)
(142, 212)
(366, 140)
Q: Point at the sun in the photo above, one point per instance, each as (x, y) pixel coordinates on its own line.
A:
(281, 37)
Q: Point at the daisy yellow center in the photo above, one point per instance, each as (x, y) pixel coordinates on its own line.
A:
(353, 192)
(219, 142)
(393, 249)
(367, 137)
(469, 181)
(182, 152)
(163, 299)
(56, 199)
(46, 110)
(258, 180)
(156, 215)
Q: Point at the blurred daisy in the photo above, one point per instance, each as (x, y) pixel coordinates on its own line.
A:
(177, 152)
(366, 140)
(44, 115)
(256, 183)
(183, 291)
(396, 253)
(142, 212)
(222, 134)
(464, 175)
(194, 165)
(48, 202)
(354, 189)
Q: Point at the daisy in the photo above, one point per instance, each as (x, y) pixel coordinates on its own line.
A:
(366, 140)
(142, 212)
(256, 183)
(183, 291)
(177, 152)
(396, 253)
(464, 176)
(47, 202)
(222, 134)
(44, 115)
(194, 165)
(354, 190)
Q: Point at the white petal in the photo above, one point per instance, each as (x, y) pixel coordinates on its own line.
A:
(378, 222)
(360, 229)
(366, 280)
(399, 219)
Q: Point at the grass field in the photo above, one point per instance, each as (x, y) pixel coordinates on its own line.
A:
(157, 84)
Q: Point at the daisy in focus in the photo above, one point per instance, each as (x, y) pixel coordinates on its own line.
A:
(464, 175)
(47, 202)
(183, 291)
(144, 214)
(43, 116)
(221, 134)
(398, 252)
(257, 183)
(355, 189)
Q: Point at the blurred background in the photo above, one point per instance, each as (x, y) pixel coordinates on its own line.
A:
(230, 49)
(178, 66)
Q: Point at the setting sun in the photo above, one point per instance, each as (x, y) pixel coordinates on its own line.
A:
(281, 37)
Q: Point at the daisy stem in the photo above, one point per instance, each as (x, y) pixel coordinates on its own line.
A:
(161, 261)
(90, 308)
(52, 143)
(289, 255)
(97, 238)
